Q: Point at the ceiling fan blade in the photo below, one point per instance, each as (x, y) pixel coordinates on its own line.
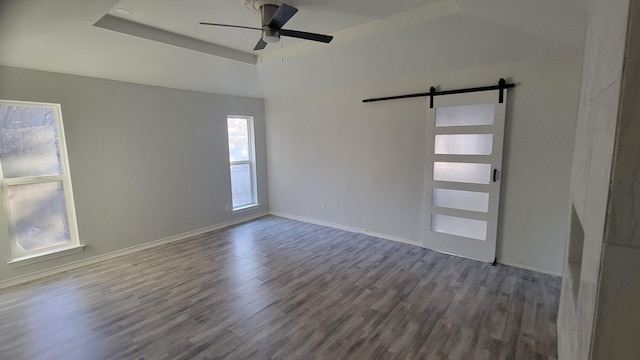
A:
(306, 35)
(231, 26)
(260, 45)
(282, 15)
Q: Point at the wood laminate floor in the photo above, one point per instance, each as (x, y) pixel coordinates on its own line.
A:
(280, 289)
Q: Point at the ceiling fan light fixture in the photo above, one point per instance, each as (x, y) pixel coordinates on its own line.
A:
(270, 36)
(270, 39)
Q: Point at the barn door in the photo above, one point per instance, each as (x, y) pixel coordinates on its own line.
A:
(462, 184)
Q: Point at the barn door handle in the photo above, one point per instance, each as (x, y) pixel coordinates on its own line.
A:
(495, 175)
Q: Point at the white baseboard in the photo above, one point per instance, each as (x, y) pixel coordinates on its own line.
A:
(345, 228)
(58, 269)
(527, 267)
(397, 239)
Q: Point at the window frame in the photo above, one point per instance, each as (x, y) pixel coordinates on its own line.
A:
(251, 162)
(64, 178)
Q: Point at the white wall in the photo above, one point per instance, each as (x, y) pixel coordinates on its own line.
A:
(146, 162)
(366, 161)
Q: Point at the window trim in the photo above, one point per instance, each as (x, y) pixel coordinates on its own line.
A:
(251, 162)
(64, 178)
(50, 253)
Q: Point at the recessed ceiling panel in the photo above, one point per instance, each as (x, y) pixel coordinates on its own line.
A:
(318, 16)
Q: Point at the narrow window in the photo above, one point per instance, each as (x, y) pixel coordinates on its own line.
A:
(242, 161)
(34, 174)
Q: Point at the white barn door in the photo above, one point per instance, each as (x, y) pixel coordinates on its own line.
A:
(462, 180)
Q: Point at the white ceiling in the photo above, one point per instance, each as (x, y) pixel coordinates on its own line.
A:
(59, 36)
(319, 16)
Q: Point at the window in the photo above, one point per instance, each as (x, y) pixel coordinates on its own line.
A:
(34, 174)
(241, 161)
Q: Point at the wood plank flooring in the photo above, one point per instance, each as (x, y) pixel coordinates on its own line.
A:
(279, 289)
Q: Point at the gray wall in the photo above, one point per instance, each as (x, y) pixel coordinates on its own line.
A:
(366, 162)
(146, 162)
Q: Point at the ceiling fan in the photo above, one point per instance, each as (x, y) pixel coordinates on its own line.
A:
(274, 16)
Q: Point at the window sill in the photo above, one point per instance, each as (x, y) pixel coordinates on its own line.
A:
(245, 208)
(46, 255)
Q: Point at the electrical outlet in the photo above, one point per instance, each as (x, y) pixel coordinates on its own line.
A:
(322, 206)
(226, 206)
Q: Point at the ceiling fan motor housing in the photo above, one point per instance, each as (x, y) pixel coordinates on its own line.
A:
(269, 35)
